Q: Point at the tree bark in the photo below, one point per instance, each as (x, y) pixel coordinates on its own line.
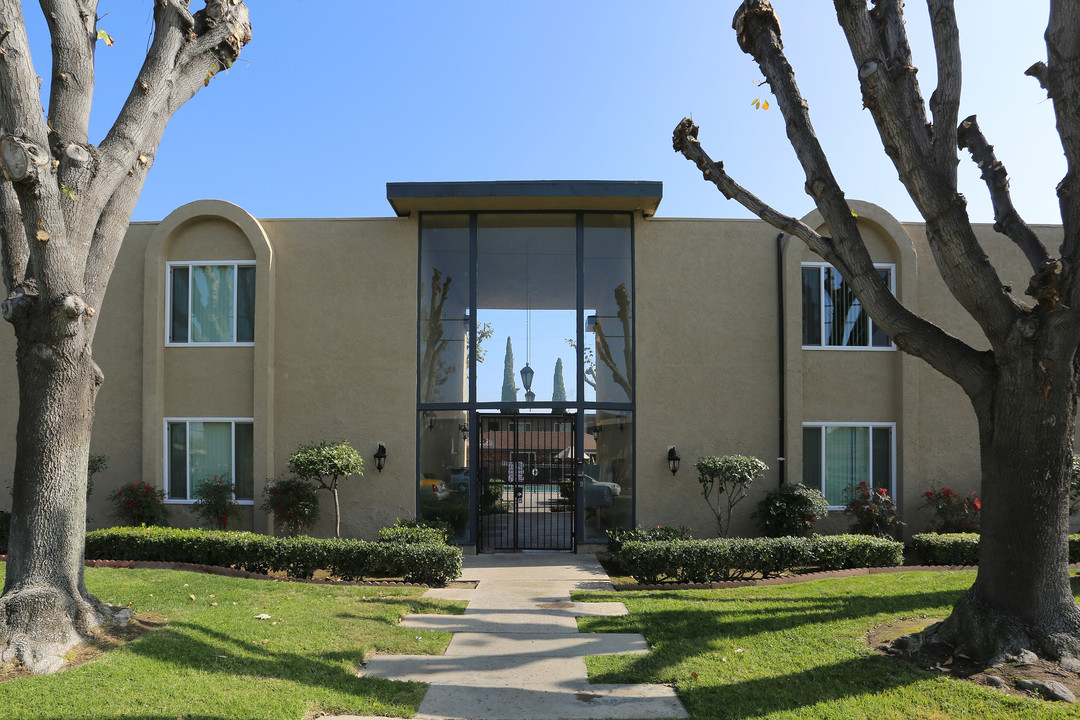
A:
(64, 210)
(45, 608)
(1022, 598)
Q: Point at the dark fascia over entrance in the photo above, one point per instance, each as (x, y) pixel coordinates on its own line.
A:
(603, 195)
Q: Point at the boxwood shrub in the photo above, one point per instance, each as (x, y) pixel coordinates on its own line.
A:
(963, 548)
(422, 561)
(701, 561)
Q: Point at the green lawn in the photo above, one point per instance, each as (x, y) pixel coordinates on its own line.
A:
(208, 660)
(798, 651)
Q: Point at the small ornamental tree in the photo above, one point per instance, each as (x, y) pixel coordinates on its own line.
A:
(729, 476)
(326, 464)
(294, 504)
(214, 503)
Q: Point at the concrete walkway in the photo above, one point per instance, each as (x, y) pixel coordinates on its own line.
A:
(517, 653)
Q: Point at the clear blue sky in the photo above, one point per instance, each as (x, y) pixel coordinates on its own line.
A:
(334, 98)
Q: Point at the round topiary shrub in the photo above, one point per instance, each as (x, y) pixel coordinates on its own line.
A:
(791, 510)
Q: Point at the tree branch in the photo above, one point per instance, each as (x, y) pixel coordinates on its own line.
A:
(1006, 219)
(14, 254)
(945, 100)
(73, 27)
(685, 141)
(950, 356)
(892, 95)
(1060, 75)
(185, 53)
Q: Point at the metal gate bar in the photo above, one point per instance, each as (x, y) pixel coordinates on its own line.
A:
(526, 483)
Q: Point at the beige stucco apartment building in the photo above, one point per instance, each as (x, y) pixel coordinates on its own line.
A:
(227, 341)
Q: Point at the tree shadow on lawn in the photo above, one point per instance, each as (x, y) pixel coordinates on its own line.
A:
(846, 680)
(189, 645)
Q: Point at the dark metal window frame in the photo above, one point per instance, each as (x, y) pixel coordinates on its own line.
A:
(581, 406)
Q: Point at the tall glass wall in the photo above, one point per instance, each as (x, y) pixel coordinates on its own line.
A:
(548, 293)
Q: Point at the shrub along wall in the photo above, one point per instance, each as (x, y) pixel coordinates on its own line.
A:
(963, 548)
(701, 561)
(423, 561)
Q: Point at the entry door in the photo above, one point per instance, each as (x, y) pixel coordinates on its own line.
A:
(526, 489)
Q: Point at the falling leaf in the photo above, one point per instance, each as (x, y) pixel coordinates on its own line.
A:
(723, 659)
(213, 604)
(756, 102)
(693, 675)
(43, 236)
(764, 104)
(265, 641)
(191, 596)
(223, 657)
(185, 584)
(738, 650)
(102, 35)
(262, 616)
(273, 623)
(213, 594)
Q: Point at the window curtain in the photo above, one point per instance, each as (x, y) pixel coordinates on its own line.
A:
(245, 303)
(212, 303)
(847, 461)
(210, 448)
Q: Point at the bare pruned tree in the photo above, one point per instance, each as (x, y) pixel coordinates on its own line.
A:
(65, 204)
(1024, 388)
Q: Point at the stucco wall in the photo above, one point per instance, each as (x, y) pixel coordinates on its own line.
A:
(707, 378)
(346, 356)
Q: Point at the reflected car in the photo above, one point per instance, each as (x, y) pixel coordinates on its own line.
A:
(615, 487)
(432, 489)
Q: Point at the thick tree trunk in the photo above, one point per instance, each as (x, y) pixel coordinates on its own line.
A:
(1021, 599)
(45, 608)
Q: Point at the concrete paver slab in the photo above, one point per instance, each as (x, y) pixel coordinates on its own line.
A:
(517, 653)
(554, 645)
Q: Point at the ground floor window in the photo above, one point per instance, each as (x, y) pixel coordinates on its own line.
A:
(198, 450)
(837, 457)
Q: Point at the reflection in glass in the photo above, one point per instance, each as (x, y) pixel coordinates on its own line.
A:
(444, 304)
(609, 341)
(526, 296)
(445, 484)
(608, 493)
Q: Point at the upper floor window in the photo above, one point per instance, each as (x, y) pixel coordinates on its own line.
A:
(832, 316)
(211, 304)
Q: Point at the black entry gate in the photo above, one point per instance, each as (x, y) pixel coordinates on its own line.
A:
(526, 483)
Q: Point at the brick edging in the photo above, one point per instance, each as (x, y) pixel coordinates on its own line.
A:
(790, 579)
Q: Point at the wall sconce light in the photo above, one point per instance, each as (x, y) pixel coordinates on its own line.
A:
(380, 457)
(622, 423)
(464, 428)
(594, 430)
(673, 460)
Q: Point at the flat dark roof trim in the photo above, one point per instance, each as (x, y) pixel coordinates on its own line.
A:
(406, 197)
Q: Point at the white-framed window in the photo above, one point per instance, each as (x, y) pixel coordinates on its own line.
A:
(210, 303)
(199, 449)
(839, 456)
(832, 316)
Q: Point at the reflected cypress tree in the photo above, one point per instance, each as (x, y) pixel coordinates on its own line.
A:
(509, 388)
(559, 392)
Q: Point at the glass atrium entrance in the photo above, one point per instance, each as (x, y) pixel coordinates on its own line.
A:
(526, 373)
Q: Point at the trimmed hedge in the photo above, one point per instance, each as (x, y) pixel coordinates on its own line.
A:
(963, 548)
(702, 561)
(422, 561)
(5, 528)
